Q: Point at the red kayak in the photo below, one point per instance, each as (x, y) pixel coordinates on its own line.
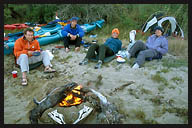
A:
(15, 26)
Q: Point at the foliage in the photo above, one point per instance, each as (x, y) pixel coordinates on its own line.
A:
(159, 79)
(174, 63)
(129, 15)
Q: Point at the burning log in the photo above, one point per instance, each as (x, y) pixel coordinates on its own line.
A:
(74, 94)
(50, 101)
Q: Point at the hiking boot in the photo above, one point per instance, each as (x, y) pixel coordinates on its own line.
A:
(98, 65)
(84, 62)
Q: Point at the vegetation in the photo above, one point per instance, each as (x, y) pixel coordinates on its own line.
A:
(177, 80)
(124, 16)
(175, 63)
(159, 79)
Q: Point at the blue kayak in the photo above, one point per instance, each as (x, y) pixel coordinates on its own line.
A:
(8, 47)
(89, 27)
(54, 37)
(52, 28)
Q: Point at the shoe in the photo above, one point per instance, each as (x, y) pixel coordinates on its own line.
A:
(84, 62)
(77, 49)
(49, 70)
(67, 50)
(135, 66)
(24, 82)
(98, 65)
(120, 60)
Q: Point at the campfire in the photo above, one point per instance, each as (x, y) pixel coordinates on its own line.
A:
(74, 95)
(72, 98)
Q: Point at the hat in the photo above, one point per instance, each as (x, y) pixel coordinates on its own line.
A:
(158, 28)
(74, 18)
(115, 30)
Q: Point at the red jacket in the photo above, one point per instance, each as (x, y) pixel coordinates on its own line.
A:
(22, 46)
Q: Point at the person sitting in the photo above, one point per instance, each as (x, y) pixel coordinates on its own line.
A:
(72, 34)
(109, 48)
(27, 51)
(155, 46)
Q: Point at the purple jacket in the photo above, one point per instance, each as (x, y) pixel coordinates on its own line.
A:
(158, 43)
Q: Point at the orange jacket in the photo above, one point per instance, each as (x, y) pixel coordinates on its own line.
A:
(22, 46)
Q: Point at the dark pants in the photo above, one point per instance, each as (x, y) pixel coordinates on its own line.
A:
(141, 51)
(75, 42)
(101, 50)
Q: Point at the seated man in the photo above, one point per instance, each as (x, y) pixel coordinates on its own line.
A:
(24, 51)
(109, 48)
(156, 45)
(72, 34)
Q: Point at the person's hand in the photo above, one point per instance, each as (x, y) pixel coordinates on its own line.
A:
(30, 53)
(73, 37)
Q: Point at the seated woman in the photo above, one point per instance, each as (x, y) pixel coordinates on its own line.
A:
(155, 46)
(109, 48)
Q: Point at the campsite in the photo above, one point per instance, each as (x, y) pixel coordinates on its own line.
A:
(156, 93)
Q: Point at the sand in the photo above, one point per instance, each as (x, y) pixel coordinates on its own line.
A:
(143, 102)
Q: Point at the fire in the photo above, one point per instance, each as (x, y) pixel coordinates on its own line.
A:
(71, 100)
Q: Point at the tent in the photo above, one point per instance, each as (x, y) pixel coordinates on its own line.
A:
(170, 25)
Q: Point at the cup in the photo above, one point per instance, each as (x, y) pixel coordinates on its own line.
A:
(14, 73)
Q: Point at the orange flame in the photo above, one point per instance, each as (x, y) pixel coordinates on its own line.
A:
(71, 100)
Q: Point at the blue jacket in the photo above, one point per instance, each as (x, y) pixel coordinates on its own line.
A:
(114, 44)
(158, 43)
(74, 31)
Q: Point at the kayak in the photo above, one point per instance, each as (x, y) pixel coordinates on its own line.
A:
(54, 37)
(100, 23)
(15, 26)
(89, 27)
(52, 28)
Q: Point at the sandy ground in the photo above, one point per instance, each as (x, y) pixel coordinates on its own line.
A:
(144, 101)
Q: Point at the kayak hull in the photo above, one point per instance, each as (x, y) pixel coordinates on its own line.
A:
(42, 41)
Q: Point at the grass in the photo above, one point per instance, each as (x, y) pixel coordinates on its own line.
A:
(174, 63)
(158, 112)
(146, 91)
(133, 93)
(178, 47)
(157, 100)
(165, 70)
(177, 80)
(161, 87)
(159, 79)
(150, 121)
(179, 111)
(65, 59)
(139, 114)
